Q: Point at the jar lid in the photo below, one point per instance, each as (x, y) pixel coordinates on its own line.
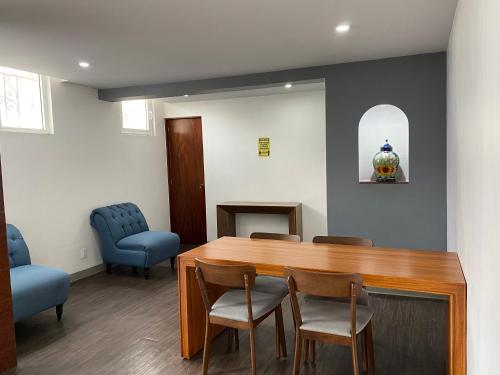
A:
(386, 147)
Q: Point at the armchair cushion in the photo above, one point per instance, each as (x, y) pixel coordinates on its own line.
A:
(37, 288)
(122, 220)
(157, 245)
(19, 254)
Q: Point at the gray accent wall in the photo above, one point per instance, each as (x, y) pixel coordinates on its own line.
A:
(411, 215)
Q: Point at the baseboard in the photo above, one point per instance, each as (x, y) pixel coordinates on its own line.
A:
(86, 273)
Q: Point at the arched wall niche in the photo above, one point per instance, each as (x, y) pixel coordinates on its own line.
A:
(381, 122)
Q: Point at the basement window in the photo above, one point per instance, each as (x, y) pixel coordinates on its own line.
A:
(137, 117)
(25, 102)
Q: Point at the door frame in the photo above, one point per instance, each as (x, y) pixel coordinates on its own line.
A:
(169, 165)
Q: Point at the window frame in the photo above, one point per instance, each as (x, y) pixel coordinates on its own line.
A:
(150, 118)
(46, 106)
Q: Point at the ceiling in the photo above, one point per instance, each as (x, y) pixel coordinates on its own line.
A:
(132, 42)
(244, 93)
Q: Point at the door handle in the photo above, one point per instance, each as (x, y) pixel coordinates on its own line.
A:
(202, 186)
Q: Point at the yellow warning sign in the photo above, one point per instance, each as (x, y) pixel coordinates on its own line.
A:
(264, 147)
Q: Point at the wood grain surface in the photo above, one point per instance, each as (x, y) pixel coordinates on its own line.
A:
(400, 269)
(7, 336)
(186, 179)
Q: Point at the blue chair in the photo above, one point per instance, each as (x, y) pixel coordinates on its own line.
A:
(126, 239)
(34, 288)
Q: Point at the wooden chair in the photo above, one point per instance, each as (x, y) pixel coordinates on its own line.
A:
(338, 240)
(272, 284)
(240, 307)
(276, 236)
(310, 346)
(330, 321)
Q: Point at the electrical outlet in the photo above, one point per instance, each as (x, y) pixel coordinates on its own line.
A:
(83, 253)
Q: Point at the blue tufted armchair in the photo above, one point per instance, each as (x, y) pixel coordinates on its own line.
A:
(34, 288)
(125, 238)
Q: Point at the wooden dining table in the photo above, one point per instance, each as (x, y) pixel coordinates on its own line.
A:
(431, 272)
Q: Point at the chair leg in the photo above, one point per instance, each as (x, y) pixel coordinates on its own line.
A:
(363, 351)
(206, 350)
(298, 353)
(172, 262)
(280, 333)
(236, 339)
(354, 350)
(59, 312)
(252, 350)
(277, 347)
(108, 268)
(146, 273)
(306, 351)
(230, 338)
(313, 352)
(370, 356)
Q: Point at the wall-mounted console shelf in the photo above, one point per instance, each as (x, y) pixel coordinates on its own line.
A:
(226, 212)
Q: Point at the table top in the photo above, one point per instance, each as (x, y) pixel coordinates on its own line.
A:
(404, 269)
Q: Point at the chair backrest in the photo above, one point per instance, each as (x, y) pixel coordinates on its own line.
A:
(225, 275)
(118, 221)
(325, 284)
(228, 275)
(339, 240)
(19, 254)
(276, 236)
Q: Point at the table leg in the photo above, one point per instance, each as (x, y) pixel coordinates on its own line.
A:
(192, 312)
(457, 356)
(226, 223)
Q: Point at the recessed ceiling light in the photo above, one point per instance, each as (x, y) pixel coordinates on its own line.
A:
(343, 28)
(84, 64)
(186, 95)
(288, 86)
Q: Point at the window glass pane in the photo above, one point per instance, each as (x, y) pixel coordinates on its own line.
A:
(30, 104)
(135, 115)
(20, 99)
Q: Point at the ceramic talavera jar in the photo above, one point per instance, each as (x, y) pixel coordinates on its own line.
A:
(386, 164)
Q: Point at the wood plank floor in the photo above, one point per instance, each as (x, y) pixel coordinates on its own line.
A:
(123, 324)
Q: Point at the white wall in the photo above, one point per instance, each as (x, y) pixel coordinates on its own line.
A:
(474, 172)
(52, 182)
(295, 171)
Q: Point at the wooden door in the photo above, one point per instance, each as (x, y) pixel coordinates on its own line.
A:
(186, 179)
(7, 334)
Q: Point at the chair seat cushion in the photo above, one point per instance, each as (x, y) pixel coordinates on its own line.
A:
(37, 288)
(272, 285)
(232, 305)
(158, 245)
(319, 315)
(149, 240)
